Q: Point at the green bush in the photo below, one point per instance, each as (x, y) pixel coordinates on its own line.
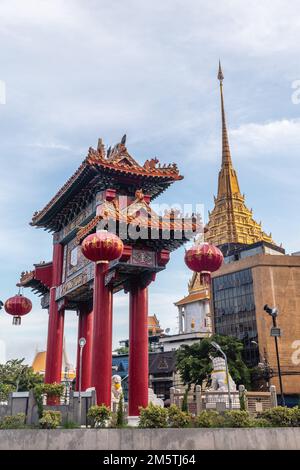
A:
(178, 418)
(5, 390)
(209, 419)
(98, 415)
(185, 406)
(120, 413)
(280, 416)
(70, 425)
(53, 390)
(50, 419)
(13, 422)
(237, 419)
(259, 423)
(296, 416)
(242, 398)
(153, 417)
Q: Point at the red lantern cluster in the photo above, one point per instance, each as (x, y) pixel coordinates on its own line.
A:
(204, 259)
(18, 306)
(102, 246)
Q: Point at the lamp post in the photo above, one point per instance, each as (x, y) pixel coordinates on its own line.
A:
(275, 331)
(218, 348)
(82, 343)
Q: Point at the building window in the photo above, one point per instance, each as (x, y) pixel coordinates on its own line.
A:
(234, 310)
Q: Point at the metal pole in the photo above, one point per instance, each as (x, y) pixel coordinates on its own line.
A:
(79, 388)
(278, 363)
(228, 384)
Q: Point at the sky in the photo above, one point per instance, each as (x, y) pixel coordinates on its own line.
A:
(72, 71)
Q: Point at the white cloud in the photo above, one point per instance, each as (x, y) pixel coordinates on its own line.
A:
(50, 145)
(275, 138)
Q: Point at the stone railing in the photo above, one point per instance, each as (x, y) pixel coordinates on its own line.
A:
(198, 400)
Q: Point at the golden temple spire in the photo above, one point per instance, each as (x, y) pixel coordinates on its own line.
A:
(228, 182)
(226, 157)
(231, 221)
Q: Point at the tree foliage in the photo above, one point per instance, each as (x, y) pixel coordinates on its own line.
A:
(17, 376)
(195, 366)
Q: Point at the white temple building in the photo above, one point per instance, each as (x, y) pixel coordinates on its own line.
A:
(194, 317)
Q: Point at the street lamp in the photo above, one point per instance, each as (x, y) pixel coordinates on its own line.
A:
(275, 331)
(82, 343)
(218, 348)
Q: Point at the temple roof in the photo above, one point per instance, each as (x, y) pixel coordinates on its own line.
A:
(153, 325)
(231, 221)
(139, 214)
(39, 279)
(39, 365)
(100, 170)
(195, 297)
(197, 291)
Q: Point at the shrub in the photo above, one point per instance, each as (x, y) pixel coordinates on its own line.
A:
(153, 417)
(259, 423)
(54, 390)
(5, 390)
(70, 425)
(237, 419)
(280, 416)
(120, 413)
(13, 422)
(98, 415)
(178, 418)
(242, 398)
(50, 419)
(184, 405)
(209, 419)
(295, 416)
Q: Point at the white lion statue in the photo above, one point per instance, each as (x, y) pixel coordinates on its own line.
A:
(153, 398)
(218, 376)
(116, 389)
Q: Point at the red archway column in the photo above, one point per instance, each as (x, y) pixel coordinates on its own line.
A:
(55, 323)
(138, 349)
(102, 336)
(85, 330)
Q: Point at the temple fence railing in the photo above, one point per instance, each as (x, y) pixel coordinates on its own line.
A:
(198, 400)
(76, 409)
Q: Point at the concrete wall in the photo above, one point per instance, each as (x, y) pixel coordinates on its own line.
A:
(151, 439)
(24, 402)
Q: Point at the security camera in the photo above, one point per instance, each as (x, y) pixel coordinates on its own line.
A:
(271, 311)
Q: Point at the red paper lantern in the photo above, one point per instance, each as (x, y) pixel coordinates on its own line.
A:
(204, 258)
(102, 246)
(18, 306)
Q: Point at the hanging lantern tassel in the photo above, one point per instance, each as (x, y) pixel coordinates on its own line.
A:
(205, 277)
(16, 320)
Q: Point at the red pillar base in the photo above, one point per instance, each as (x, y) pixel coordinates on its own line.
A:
(102, 337)
(85, 330)
(138, 350)
(55, 326)
(55, 341)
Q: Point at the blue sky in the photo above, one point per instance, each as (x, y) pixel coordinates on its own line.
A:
(77, 70)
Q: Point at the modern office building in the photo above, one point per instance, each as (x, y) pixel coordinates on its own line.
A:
(240, 291)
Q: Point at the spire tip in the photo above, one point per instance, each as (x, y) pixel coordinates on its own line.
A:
(220, 73)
